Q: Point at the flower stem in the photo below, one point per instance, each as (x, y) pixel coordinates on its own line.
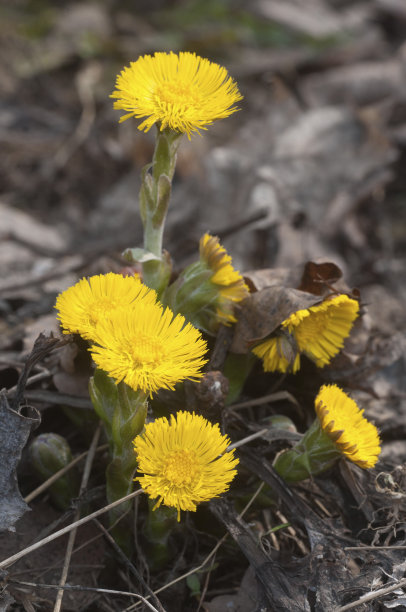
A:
(154, 201)
(123, 413)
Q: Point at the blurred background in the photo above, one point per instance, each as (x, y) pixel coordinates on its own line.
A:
(312, 168)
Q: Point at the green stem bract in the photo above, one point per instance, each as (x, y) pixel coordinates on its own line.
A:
(195, 297)
(146, 193)
(123, 413)
(154, 201)
(164, 159)
(104, 395)
(192, 291)
(314, 454)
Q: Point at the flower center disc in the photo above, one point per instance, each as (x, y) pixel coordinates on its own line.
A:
(178, 94)
(182, 467)
(100, 308)
(145, 351)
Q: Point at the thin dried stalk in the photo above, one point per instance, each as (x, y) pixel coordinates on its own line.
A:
(72, 536)
(61, 532)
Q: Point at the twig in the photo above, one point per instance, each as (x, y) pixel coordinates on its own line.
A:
(44, 486)
(206, 585)
(375, 547)
(129, 565)
(271, 434)
(42, 346)
(76, 587)
(72, 536)
(30, 380)
(372, 596)
(253, 436)
(54, 397)
(272, 397)
(46, 568)
(61, 532)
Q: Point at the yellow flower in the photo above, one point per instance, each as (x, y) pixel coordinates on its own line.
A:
(344, 423)
(318, 331)
(279, 354)
(228, 281)
(183, 92)
(147, 347)
(184, 461)
(82, 306)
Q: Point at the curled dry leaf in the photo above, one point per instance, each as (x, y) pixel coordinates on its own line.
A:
(262, 312)
(313, 277)
(14, 431)
(318, 277)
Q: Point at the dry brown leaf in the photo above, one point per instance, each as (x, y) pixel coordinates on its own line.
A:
(14, 432)
(317, 277)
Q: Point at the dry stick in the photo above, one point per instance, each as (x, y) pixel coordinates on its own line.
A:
(207, 559)
(206, 585)
(253, 436)
(372, 596)
(46, 568)
(75, 587)
(272, 397)
(189, 573)
(72, 536)
(32, 379)
(129, 565)
(375, 547)
(67, 529)
(44, 486)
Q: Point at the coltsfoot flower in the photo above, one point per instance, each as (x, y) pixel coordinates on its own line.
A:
(228, 281)
(344, 423)
(148, 347)
(340, 430)
(184, 461)
(183, 92)
(318, 332)
(208, 290)
(82, 306)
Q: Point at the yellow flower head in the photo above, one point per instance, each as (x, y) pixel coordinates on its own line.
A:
(228, 281)
(184, 461)
(82, 306)
(183, 92)
(147, 347)
(344, 423)
(318, 331)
